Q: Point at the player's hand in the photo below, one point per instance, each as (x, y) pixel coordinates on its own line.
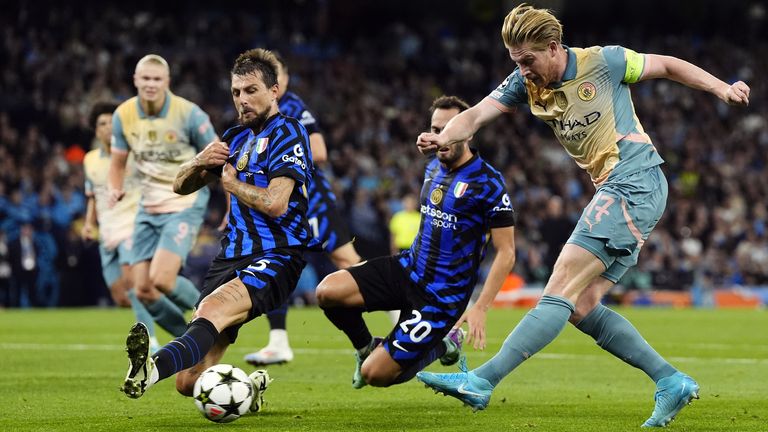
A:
(228, 176)
(737, 94)
(88, 233)
(475, 318)
(115, 195)
(224, 222)
(427, 143)
(214, 155)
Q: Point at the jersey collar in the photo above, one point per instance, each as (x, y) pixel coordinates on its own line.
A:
(163, 112)
(570, 68)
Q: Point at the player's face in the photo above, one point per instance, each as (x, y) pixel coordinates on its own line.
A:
(535, 65)
(151, 80)
(253, 99)
(104, 128)
(449, 154)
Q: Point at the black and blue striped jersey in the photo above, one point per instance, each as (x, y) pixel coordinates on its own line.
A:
(458, 209)
(319, 190)
(280, 149)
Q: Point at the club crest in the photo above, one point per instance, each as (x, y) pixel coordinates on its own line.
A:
(586, 91)
(436, 196)
(243, 161)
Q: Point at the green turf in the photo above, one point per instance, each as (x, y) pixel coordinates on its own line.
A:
(60, 371)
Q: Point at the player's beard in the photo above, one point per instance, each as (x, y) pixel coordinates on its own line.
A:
(257, 121)
(455, 153)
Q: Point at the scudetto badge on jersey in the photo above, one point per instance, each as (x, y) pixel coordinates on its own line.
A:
(261, 144)
(459, 189)
(586, 91)
(436, 196)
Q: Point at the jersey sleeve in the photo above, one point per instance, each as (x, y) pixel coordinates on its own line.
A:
(624, 65)
(308, 121)
(499, 211)
(290, 156)
(200, 129)
(118, 141)
(511, 92)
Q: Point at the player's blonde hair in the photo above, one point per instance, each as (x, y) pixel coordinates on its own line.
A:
(536, 27)
(153, 59)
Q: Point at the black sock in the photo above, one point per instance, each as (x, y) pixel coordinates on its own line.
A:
(186, 350)
(425, 361)
(277, 317)
(350, 321)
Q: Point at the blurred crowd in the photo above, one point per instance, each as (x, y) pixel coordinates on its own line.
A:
(370, 90)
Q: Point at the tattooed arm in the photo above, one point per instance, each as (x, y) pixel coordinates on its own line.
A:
(272, 200)
(194, 173)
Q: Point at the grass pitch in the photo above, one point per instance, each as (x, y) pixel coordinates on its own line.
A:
(60, 370)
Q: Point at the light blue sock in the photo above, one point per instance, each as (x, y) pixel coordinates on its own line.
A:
(537, 329)
(168, 316)
(184, 294)
(141, 312)
(615, 334)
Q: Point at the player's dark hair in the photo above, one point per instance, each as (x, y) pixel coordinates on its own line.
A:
(99, 109)
(260, 60)
(448, 102)
(280, 59)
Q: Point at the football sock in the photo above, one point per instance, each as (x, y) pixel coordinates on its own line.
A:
(277, 317)
(350, 321)
(278, 339)
(537, 329)
(423, 362)
(141, 312)
(187, 350)
(615, 334)
(184, 294)
(168, 316)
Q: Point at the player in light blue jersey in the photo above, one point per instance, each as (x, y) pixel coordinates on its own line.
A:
(583, 95)
(162, 131)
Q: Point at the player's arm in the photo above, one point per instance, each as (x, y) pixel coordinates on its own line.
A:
(272, 200)
(88, 233)
(461, 127)
(194, 174)
(675, 69)
(504, 242)
(117, 161)
(319, 150)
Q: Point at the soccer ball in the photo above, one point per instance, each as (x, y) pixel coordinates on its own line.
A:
(223, 393)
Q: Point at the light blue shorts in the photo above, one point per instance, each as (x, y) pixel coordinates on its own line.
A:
(175, 232)
(620, 218)
(113, 260)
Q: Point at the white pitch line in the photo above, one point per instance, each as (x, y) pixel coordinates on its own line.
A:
(338, 351)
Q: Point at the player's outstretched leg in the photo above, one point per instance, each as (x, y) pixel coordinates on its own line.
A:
(673, 393)
(140, 363)
(453, 342)
(464, 386)
(260, 381)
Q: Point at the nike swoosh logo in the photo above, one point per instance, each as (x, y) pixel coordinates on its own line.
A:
(682, 391)
(462, 390)
(248, 272)
(396, 344)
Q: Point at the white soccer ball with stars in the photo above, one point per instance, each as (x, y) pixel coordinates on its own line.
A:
(223, 393)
